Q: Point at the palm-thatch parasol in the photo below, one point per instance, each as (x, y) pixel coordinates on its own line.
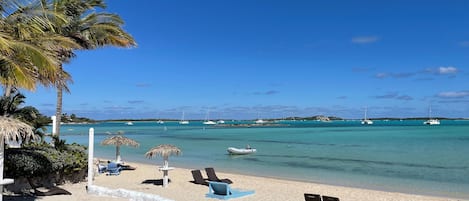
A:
(11, 130)
(164, 150)
(119, 140)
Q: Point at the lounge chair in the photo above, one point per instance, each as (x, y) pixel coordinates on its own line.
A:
(312, 197)
(198, 179)
(328, 198)
(223, 191)
(102, 168)
(212, 176)
(113, 169)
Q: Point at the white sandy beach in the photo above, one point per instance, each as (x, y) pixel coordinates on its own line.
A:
(266, 189)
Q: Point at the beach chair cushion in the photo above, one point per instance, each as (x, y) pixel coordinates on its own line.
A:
(312, 197)
(328, 198)
(113, 169)
(223, 191)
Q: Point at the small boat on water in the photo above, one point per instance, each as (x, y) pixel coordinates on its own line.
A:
(241, 151)
(129, 123)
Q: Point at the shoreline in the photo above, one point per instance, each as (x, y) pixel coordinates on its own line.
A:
(266, 189)
(293, 179)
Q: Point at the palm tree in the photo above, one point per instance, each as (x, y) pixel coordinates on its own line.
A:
(90, 30)
(119, 140)
(164, 150)
(25, 45)
(28, 114)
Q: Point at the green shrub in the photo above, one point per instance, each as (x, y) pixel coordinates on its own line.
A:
(41, 160)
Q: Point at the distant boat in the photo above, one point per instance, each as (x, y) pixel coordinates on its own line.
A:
(129, 123)
(431, 121)
(260, 121)
(366, 121)
(240, 151)
(220, 122)
(160, 122)
(183, 122)
(207, 120)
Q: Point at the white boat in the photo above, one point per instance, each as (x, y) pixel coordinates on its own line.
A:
(260, 121)
(220, 122)
(207, 120)
(160, 122)
(129, 123)
(242, 151)
(431, 121)
(183, 122)
(366, 121)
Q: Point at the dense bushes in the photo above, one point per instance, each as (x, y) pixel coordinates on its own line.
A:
(34, 161)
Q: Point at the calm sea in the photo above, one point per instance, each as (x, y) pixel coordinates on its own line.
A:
(402, 156)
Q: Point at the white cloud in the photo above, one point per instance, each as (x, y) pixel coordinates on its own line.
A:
(464, 43)
(453, 94)
(447, 70)
(364, 39)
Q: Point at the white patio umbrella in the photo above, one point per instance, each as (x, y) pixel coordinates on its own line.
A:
(11, 130)
(164, 150)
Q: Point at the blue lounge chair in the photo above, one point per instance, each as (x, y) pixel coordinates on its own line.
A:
(113, 169)
(223, 191)
(102, 168)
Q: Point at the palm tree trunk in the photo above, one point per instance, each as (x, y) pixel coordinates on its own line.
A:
(58, 111)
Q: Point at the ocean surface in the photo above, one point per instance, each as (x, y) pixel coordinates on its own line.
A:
(401, 156)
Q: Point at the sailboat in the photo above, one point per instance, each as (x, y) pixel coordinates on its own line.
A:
(431, 121)
(183, 122)
(207, 120)
(366, 121)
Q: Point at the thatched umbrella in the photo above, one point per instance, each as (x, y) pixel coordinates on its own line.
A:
(119, 140)
(164, 150)
(11, 130)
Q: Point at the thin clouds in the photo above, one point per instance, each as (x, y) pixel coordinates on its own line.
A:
(393, 75)
(342, 97)
(464, 43)
(47, 105)
(442, 70)
(270, 92)
(364, 39)
(135, 101)
(453, 94)
(143, 85)
(394, 95)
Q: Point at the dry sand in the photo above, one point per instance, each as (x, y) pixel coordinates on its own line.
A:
(181, 189)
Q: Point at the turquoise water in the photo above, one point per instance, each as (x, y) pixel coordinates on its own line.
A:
(402, 156)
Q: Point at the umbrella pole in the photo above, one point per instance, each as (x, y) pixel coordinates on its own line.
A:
(165, 172)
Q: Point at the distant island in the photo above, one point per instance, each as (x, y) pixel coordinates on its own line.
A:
(311, 118)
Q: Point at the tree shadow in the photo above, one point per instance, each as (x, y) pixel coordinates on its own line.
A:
(158, 182)
(19, 198)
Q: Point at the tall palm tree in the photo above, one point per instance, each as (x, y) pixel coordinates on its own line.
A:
(26, 45)
(90, 30)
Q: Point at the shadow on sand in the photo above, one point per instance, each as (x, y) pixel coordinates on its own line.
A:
(158, 182)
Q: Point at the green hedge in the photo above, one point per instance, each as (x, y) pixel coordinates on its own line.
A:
(41, 160)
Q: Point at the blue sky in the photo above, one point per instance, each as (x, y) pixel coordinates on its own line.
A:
(247, 59)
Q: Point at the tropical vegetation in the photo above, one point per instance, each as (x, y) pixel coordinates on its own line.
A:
(37, 37)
